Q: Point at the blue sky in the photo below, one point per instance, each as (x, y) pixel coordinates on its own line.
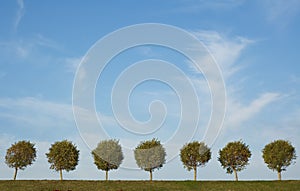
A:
(255, 44)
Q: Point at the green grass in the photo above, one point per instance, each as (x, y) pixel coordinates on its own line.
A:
(77, 185)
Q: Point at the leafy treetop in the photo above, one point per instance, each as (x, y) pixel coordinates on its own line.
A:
(234, 156)
(20, 155)
(278, 155)
(108, 155)
(63, 156)
(150, 155)
(195, 154)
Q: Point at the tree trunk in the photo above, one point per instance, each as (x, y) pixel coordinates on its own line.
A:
(15, 175)
(279, 175)
(60, 174)
(235, 175)
(195, 173)
(106, 175)
(151, 175)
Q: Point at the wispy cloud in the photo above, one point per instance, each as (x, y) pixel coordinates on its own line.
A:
(72, 63)
(19, 14)
(225, 50)
(27, 48)
(191, 6)
(38, 50)
(36, 115)
(35, 112)
(239, 113)
(281, 12)
(43, 41)
(285, 127)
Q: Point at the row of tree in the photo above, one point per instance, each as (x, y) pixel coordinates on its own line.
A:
(151, 155)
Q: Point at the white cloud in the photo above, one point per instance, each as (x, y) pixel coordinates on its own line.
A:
(55, 122)
(286, 126)
(43, 41)
(72, 63)
(31, 51)
(38, 112)
(30, 117)
(281, 12)
(224, 50)
(28, 107)
(19, 14)
(29, 48)
(239, 113)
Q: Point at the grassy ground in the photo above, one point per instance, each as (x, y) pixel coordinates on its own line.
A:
(76, 185)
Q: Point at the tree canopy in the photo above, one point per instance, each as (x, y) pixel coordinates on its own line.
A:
(63, 156)
(150, 155)
(193, 155)
(234, 157)
(278, 155)
(20, 155)
(108, 155)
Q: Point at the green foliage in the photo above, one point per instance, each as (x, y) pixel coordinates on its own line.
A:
(150, 155)
(108, 155)
(194, 154)
(234, 156)
(278, 155)
(63, 156)
(20, 155)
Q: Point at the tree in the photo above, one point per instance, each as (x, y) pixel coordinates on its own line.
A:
(194, 154)
(150, 155)
(278, 155)
(234, 157)
(63, 156)
(108, 156)
(20, 155)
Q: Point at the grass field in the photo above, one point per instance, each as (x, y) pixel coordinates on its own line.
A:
(76, 185)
